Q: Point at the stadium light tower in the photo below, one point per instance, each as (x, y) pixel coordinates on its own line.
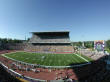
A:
(25, 38)
(83, 41)
(83, 44)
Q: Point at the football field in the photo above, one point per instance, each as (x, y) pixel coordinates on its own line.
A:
(49, 59)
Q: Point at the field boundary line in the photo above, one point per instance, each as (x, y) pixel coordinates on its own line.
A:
(82, 57)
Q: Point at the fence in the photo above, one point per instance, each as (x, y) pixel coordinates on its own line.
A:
(20, 76)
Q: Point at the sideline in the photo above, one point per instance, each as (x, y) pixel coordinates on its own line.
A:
(82, 57)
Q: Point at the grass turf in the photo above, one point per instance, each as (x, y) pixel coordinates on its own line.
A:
(48, 59)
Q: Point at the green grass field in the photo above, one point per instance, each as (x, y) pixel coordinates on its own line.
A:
(49, 59)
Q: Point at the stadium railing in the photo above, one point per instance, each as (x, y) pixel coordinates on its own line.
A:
(15, 74)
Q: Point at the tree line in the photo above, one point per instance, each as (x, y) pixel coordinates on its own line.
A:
(90, 44)
(9, 40)
(87, 44)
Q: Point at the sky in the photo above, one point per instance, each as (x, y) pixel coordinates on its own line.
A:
(85, 19)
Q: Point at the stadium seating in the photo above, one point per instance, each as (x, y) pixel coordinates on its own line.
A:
(92, 54)
(48, 48)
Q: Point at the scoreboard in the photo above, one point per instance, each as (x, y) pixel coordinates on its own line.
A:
(99, 45)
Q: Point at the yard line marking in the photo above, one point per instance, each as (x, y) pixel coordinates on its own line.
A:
(75, 60)
(82, 57)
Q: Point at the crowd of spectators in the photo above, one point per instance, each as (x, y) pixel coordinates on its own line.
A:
(92, 54)
(48, 48)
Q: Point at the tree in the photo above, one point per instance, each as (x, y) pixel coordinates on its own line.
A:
(89, 44)
(9, 40)
(79, 44)
(108, 44)
(28, 39)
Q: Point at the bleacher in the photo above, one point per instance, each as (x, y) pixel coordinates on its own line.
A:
(92, 54)
(48, 48)
(50, 37)
(56, 41)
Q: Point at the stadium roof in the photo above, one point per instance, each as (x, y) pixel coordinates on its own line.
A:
(50, 37)
(52, 32)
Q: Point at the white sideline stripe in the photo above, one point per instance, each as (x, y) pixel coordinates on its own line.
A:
(82, 57)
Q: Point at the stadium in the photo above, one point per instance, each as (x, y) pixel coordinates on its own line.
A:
(50, 57)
